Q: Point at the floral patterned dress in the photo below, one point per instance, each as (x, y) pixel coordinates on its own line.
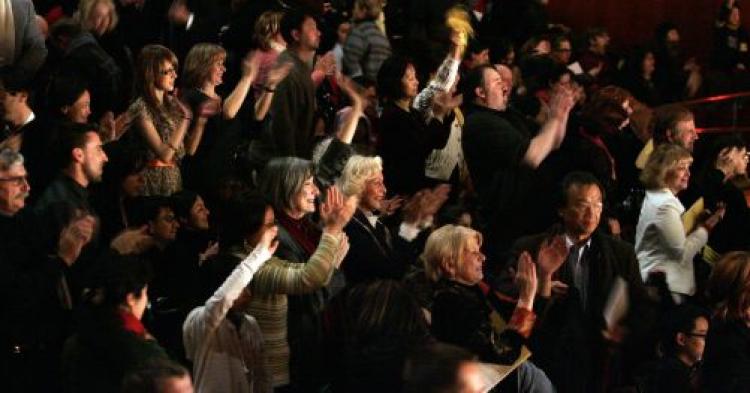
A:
(161, 178)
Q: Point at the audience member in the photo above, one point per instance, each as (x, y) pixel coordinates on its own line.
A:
(661, 241)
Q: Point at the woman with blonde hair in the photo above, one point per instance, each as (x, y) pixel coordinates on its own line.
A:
(727, 356)
(464, 309)
(661, 243)
(161, 120)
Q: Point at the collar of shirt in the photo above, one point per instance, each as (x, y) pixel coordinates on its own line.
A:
(569, 243)
(371, 218)
(29, 119)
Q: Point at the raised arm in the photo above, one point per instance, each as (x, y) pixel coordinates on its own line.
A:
(444, 79)
(218, 305)
(274, 77)
(281, 277)
(250, 67)
(552, 132)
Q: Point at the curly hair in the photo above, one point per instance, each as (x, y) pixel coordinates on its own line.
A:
(357, 171)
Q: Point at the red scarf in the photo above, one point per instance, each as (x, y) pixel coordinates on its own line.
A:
(302, 231)
(132, 324)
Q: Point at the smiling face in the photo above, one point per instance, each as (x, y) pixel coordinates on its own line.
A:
(304, 201)
(216, 74)
(678, 178)
(80, 110)
(373, 193)
(470, 272)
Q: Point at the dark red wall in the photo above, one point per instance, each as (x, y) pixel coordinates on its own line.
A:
(633, 21)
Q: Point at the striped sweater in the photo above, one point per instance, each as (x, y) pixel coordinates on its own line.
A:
(270, 287)
(365, 50)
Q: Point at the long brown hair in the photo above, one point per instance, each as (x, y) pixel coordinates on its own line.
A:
(198, 62)
(149, 71)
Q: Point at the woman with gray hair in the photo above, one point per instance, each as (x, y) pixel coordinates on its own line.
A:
(661, 241)
(289, 183)
(376, 253)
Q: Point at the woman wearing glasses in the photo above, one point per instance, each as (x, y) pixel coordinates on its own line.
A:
(160, 119)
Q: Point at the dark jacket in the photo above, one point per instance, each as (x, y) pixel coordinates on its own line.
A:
(567, 341)
(494, 151)
(375, 253)
(461, 316)
(405, 143)
(726, 360)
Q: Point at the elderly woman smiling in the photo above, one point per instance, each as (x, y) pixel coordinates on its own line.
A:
(661, 243)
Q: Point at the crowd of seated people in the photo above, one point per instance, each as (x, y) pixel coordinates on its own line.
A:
(361, 196)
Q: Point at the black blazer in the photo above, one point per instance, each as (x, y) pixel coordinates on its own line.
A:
(375, 253)
(567, 340)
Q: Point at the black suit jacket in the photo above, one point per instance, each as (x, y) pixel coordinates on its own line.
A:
(375, 254)
(567, 339)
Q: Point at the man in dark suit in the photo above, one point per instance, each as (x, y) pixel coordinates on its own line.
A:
(569, 341)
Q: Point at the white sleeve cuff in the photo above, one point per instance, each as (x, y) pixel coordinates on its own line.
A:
(408, 231)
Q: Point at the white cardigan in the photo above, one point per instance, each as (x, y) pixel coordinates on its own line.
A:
(661, 243)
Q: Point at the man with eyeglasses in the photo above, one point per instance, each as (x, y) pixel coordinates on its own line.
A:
(577, 289)
(36, 300)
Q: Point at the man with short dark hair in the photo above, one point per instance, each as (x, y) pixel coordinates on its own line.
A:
(80, 158)
(163, 376)
(293, 105)
(588, 274)
(502, 158)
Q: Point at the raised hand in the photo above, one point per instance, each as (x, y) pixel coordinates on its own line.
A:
(336, 211)
(74, 237)
(251, 65)
(269, 239)
(444, 102)
(326, 64)
(526, 281)
(351, 90)
(133, 241)
(277, 74)
(552, 254)
(389, 206)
